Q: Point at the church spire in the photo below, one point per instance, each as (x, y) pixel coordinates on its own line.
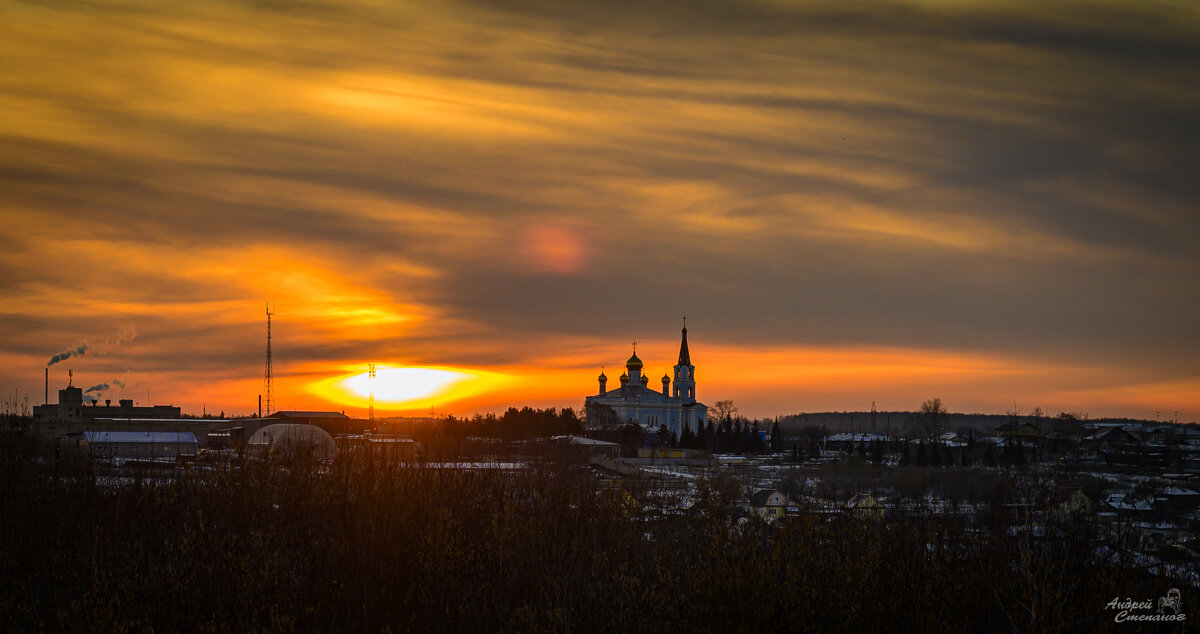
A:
(684, 357)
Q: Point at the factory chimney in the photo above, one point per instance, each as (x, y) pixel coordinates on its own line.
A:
(46, 398)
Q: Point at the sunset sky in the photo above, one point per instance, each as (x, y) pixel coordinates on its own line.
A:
(997, 204)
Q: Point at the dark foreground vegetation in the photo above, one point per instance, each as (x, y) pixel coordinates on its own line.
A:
(370, 548)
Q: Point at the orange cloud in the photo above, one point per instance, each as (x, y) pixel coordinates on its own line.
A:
(491, 189)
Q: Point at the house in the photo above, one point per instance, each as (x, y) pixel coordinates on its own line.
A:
(1019, 430)
(586, 448)
(1117, 435)
(847, 441)
(1177, 499)
(864, 506)
(769, 504)
(1127, 506)
(1066, 427)
(1160, 434)
(952, 439)
(1153, 537)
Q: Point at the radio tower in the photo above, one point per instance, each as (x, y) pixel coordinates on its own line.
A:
(371, 402)
(267, 372)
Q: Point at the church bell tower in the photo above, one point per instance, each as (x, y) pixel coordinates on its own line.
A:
(685, 373)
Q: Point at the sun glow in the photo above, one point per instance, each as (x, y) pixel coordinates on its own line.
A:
(405, 388)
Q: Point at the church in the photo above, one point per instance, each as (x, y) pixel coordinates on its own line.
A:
(634, 402)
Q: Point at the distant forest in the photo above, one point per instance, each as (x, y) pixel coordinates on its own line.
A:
(895, 422)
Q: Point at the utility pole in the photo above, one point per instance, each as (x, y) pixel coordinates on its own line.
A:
(371, 402)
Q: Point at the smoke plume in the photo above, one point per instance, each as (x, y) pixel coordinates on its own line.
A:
(126, 333)
(100, 387)
(67, 354)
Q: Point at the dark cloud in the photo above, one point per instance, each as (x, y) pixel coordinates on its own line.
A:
(1010, 178)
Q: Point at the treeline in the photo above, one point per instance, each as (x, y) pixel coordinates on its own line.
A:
(728, 435)
(515, 424)
(932, 454)
(371, 548)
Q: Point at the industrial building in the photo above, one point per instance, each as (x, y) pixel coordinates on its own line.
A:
(237, 433)
(332, 422)
(71, 408)
(68, 419)
(382, 447)
(139, 445)
(290, 440)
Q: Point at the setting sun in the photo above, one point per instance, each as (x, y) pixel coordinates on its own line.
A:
(406, 388)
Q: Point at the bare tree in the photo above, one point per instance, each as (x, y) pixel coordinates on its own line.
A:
(933, 417)
(724, 409)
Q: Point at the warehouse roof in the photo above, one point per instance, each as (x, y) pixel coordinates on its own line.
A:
(140, 437)
(302, 414)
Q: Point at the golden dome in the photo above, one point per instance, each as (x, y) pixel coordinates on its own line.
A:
(634, 363)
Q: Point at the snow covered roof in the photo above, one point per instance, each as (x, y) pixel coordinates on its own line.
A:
(580, 440)
(153, 437)
(1123, 502)
(499, 466)
(862, 499)
(845, 437)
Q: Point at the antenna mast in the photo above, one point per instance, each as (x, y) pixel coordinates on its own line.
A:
(371, 402)
(267, 372)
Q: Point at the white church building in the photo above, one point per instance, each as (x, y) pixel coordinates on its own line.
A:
(634, 402)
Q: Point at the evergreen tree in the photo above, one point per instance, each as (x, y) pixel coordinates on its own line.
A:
(776, 437)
